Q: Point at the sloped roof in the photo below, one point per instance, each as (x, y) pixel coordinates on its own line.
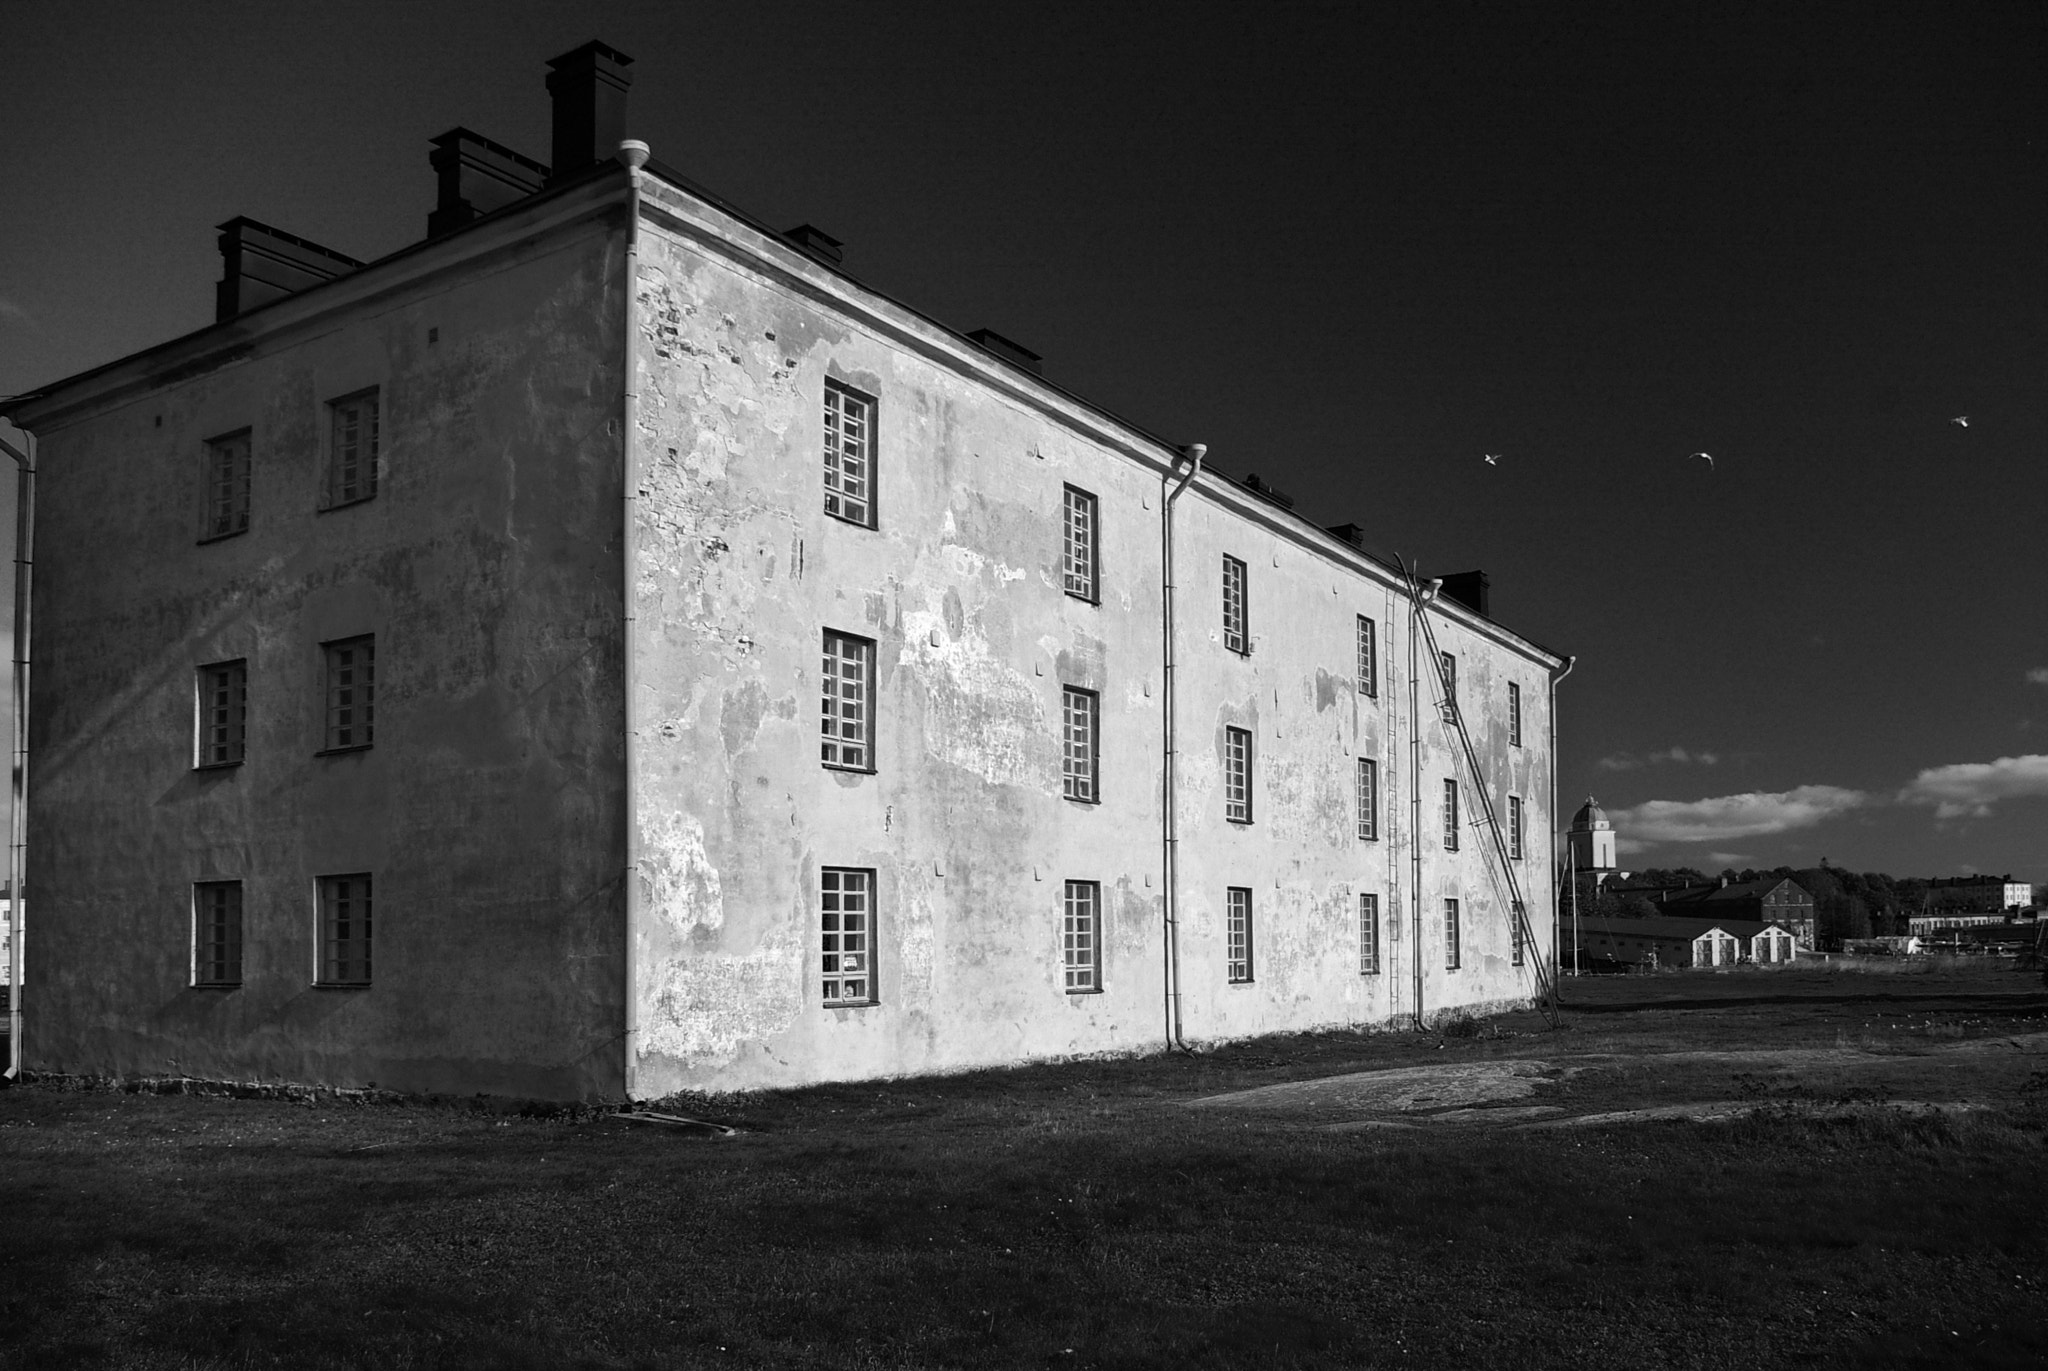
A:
(1675, 929)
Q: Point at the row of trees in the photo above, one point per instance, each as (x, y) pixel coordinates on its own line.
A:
(1847, 904)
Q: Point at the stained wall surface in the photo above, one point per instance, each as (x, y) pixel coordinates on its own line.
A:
(739, 573)
(489, 809)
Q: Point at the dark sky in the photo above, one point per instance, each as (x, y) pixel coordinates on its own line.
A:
(1351, 248)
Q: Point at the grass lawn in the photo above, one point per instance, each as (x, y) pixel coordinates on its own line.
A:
(1082, 1215)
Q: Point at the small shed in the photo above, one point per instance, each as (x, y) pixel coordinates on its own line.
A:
(1664, 940)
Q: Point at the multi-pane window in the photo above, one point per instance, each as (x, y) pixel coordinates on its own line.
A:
(1237, 775)
(1368, 658)
(351, 692)
(1238, 931)
(345, 929)
(352, 450)
(227, 485)
(1515, 827)
(1450, 935)
(849, 455)
(1514, 715)
(217, 933)
(1081, 712)
(1368, 799)
(1236, 625)
(846, 723)
(1078, 562)
(1450, 815)
(1447, 670)
(847, 929)
(1081, 936)
(1368, 935)
(223, 713)
(1521, 931)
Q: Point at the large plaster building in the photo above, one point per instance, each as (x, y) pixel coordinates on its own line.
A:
(606, 649)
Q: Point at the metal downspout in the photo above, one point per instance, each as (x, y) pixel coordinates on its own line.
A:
(1556, 677)
(17, 857)
(1418, 604)
(1169, 781)
(633, 155)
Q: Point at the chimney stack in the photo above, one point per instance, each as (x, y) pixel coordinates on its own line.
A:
(589, 90)
(476, 176)
(1470, 589)
(260, 264)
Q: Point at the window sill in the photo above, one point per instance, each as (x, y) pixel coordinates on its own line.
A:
(217, 766)
(868, 524)
(206, 538)
(1082, 799)
(1241, 823)
(1246, 980)
(216, 985)
(341, 985)
(339, 751)
(851, 1004)
(344, 504)
(853, 770)
(1095, 600)
(1084, 990)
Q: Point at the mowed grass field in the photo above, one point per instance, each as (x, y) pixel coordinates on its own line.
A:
(1083, 1215)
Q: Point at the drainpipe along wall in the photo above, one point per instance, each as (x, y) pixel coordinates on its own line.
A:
(633, 154)
(1556, 679)
(1169, 784)
(24, 567)
(1419, 599)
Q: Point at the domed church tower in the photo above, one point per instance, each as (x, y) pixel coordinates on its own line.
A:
(1592, 838)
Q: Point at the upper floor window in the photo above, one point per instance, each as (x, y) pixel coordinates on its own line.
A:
(846, 929)
(227, 485)
(1368, 799)
(849, 455)
(846, 727)
(1515, 827)
(223, 713)
(352, 450)
(1237, 775)
(1081, 712)
(1447, 669)
(1368, 657)
(1236, 624)
(1082, 545)
(217, 933)
(351, 693)
(1514, 715)
(1450, 815)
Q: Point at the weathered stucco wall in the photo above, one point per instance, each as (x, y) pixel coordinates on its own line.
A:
(488, 811)
(740, 570)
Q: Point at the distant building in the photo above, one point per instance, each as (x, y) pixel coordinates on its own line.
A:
(1592, 838)
(1684, 942)
(1773, 899)
(1951, 895)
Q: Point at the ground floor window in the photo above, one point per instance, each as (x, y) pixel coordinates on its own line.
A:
(1368, 935)
(345, 929)
(1081, 936)
(217, 933)
(847, 932)
(1450, 935)
(1238, 931)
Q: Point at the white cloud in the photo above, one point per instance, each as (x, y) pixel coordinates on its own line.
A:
(2037, 675)
(1971, 789)
(1737, 816)
(1730, 858)
(1629, 761)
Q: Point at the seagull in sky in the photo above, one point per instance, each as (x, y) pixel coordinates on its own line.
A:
(1710, 460)
(1961, 421)
(1493, 459)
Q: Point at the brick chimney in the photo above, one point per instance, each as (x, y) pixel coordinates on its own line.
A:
(474, 177)
(589, 89)
(260, 264)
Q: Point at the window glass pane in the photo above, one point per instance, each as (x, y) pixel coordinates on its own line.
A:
(1368, 799)
(223, 713)
(345, 923)
(1078, 560)
(352, 452)
(1451, 935)
(846, 930)
(1235, 635)
(227, 485)
(849, 455)
(351, 693)
(1080, 935)
(1368, 658)
(846, 715)
(1238, 932)
(1368, 935)
(1078, 708)
(217, 956)
(1237, 775)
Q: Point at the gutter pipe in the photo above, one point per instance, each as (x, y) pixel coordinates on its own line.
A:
(17, 854)
(1170, 787)
(632, 155)
(1557, 678)
(1420, 596)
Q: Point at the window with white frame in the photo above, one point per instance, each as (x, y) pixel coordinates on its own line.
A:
(1514, 715)
(1450, 815)
(351, 693)
(1078, 563)
(227, 485)
(1236, 610)
(1521, 931)
(1238, 932)
(846, 927)
(1368, 935)
(1237, 775)
(1080, 711)
(1447, 671)
(1368, 657)
(223, 713)
(1368, 799)
(1515, 827)
(352, 450)
(1081, 936)
(217, 933)
(1450, 935)
(345, 929)
(849, 455)
(846, 723)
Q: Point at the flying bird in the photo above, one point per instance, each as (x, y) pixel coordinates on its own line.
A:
(1493, 459)
(1961, 421)
(1710, 460)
